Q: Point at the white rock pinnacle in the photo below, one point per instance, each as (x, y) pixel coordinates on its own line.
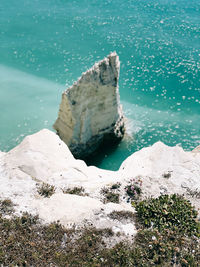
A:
(90, 113)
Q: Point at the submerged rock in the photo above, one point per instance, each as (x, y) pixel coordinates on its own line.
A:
(90, 113)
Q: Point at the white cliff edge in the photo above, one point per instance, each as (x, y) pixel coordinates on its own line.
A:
(44, 157)
(90, 112)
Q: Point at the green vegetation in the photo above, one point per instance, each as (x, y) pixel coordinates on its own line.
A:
(122, 215)
(111, 194)
(173, 234)
(6, 206)
(133, 189)
(24, 241)
(46, 190)
(168, 212)
(167, 248)
(193, 193)
(115, 186)
(80, 191)
(27, 242)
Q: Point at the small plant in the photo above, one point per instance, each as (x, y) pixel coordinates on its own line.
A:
(121, 215)
(80, 191)
(115, 186)
(133, 189)
(167, 175)
(168, 211)
(193, 193)
(6, 206)
(46, 190)
(110, 194)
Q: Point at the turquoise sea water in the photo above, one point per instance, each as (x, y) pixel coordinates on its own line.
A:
(46, 45)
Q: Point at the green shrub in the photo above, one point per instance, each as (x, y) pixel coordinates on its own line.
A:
(115, 186)
(80, 191)
(6, 206)
(173, 234)
(168, 211)
(110, 195)
(167, 248)
(133, 189)
(46, 190)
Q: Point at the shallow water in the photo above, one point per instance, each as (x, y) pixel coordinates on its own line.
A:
(46, 45)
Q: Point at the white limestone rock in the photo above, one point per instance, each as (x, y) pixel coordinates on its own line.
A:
(90, 112)
(43, 157)
(74, 210)
(165, 170)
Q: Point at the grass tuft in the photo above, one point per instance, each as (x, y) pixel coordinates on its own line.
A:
(195, 193)
(6, 206)
(80, 191)
(110, 195)
(122, 215)
(46, 190)
(134, 189)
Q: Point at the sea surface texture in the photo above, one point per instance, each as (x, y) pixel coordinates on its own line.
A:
(46, 45)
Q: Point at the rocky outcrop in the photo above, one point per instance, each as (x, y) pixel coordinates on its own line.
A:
(90, 113)
(44, 158)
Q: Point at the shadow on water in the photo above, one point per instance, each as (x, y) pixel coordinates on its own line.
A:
(104, 151)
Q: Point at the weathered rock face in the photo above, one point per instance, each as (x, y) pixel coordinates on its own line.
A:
(90, 112)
